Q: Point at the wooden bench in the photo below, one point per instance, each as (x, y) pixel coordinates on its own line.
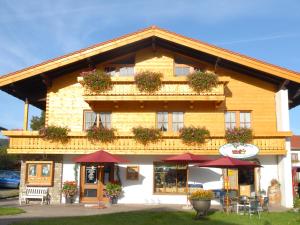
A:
(35, 193)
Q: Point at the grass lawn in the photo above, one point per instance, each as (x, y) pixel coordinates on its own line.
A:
(172, 218)
(10, 211)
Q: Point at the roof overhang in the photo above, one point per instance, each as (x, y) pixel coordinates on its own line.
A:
(32, 82)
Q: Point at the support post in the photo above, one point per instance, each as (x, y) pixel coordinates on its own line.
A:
(26, 108)
(284, 165)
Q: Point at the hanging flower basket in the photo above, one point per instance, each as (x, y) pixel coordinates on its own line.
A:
(202, 81)
(97, 81)
(148, 81)
(102, 134)
(194, 135)
(146, 135)
(55, 133)
(239, 135)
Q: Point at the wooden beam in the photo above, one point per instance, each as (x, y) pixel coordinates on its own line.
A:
(46, 80)
(25, 122)
(297, 94)
(283, 85)
(153, 44)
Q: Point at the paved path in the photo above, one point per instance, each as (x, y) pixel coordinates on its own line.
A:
(36, 211)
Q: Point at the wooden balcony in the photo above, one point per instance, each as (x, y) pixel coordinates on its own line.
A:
(29, 142)
(171, 90)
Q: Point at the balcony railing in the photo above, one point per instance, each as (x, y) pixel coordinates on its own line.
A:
(171, 90)
(30, 142)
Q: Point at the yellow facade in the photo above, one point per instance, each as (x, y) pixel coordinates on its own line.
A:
(67, 100)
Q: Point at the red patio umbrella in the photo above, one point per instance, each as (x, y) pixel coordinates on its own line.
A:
(187, 158)
(100, 157)
(227, 162)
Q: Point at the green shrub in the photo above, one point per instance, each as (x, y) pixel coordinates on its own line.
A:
(190, 135)
(297, 202)
(113, 190)
(55, 133)
(97, 81)
(202, 195)
(148, 81)
(239, 135)
(105, 135)
(202, 81)
(146, 135)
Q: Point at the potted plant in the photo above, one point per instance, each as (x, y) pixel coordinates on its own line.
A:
(194, 135)
(201, 201)
(97, 81)
(55, 133)
(146, 135)
(103, 134)
(113, 190)
(148, 81)
(202, 81)
(69, 190)
(239, 135)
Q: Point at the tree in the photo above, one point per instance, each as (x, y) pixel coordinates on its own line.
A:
(8, 161)
(38, 122)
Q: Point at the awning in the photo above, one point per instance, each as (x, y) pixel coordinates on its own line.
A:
(100, 157)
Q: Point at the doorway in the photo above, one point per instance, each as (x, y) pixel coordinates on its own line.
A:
(92, 181)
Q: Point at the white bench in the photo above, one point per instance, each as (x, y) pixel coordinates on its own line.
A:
(35, 193)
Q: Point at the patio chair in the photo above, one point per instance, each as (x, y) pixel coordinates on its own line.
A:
(265, 204)
(242, 203)
(254, 208)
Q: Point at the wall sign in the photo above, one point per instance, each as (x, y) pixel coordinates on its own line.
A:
(132, 173)
(239, 151)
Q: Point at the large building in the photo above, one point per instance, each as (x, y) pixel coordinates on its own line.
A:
(249, 94)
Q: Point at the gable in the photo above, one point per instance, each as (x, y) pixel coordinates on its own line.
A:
(31, 82)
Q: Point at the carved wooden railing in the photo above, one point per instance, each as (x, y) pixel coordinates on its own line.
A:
(176, 89)
(31, 142)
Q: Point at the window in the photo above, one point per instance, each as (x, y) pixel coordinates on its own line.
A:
(90, 120)
(39, 173)
(177, 121)
(230, 120)
(182, 70)
(170, 178)
(102, 119)
(167, 121)
(245, 119)
(237, 119)
(294, 157)
(126, 71)
(105, 120)
(162, 121)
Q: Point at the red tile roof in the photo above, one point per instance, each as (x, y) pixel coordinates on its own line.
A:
(295, 142)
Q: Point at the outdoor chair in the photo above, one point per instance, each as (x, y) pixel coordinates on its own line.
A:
(242, 204)
(254, 208)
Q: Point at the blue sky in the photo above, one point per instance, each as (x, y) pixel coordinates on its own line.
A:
(32, 31)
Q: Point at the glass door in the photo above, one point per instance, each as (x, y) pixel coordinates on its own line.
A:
(91, 185)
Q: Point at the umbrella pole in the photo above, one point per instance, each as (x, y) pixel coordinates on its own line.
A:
(227, 190)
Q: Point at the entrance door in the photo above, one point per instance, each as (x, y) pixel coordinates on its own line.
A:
(92, 181)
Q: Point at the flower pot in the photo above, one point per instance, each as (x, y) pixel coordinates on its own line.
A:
(69, 200)
(201, 207)
(114, 200)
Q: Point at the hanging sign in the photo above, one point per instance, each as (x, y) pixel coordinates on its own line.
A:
(239, 151)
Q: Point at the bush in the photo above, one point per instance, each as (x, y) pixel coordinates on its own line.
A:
(202, 195)
(239, 135)
(191, 135)
(148, 81)
(97, 81)
(105, 135)
(113, 190)
(202, 81)
(146, 135)
(55, 133)
(297, 202)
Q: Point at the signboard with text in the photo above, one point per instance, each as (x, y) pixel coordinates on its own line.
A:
(239, 151)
